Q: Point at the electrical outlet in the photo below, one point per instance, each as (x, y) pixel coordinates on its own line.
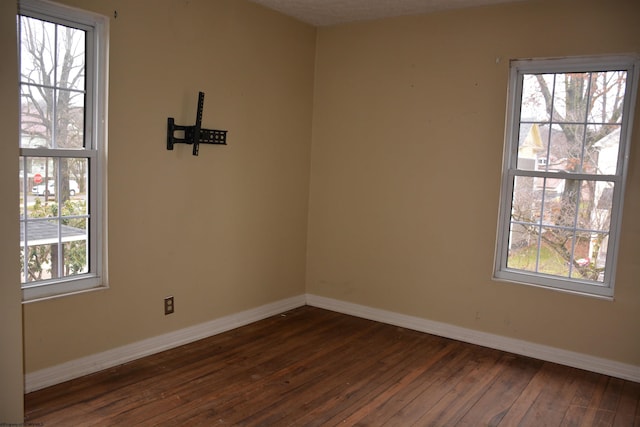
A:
(168, 305)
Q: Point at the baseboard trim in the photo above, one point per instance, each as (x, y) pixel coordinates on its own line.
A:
(525, 348)
(117, 356)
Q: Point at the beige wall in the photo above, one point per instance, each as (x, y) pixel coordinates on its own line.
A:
(222, 232)
(11, 378)
(408, 129)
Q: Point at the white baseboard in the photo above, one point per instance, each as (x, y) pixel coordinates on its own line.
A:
(117, 356)
(512, 345)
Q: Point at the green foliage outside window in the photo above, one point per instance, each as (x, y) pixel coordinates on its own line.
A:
(42, 259)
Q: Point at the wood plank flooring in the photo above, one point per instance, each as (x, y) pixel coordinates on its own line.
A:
(312, 367)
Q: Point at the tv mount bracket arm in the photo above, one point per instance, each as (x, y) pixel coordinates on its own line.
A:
(195, 135)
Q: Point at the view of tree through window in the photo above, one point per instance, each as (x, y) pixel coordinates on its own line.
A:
(564, 174)
(54, 213)
(560, 226)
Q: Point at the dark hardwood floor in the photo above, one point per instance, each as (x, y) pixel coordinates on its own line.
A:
(312, 367)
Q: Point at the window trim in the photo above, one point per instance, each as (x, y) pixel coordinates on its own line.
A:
(629, 63)
(95, 126)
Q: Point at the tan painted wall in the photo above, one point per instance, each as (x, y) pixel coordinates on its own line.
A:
(11, 371)
(222, 232)
(409, 118)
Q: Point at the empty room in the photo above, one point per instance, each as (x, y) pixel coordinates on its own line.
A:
(306, 212)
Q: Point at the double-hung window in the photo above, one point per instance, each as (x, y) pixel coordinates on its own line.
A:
(568, 131)
(62, 59)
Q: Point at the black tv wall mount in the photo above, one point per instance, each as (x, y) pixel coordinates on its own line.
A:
(195, 135)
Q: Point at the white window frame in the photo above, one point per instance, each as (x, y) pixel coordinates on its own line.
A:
(97, 28)
(519, 68)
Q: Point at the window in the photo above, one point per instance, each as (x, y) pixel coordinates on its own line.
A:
(567, 142)
(62, 60)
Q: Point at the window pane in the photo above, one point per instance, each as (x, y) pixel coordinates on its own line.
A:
(603, 145)
(69, 129)
(550, 196)
(588, 248)
(36, 117)
(75, 257)
(531, 147)
(598, 245)
(37, 55)
(526, 202)
(39, 263)
(42, 183)
(606, 96)
(596, 205)
(75, 226)
(551, 259)
(561, 210)
(534, 107)
(22, 178)
(70, 58)
(523, 244)
(42, 244)
(42, 200)
(570, 98)
(75, 182)
(565, 147)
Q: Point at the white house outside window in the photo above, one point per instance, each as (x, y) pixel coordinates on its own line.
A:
(568, 132)
(62, 57)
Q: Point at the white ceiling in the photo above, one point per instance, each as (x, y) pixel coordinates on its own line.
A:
(331, 12)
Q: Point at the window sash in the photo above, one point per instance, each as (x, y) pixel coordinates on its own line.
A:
(91, 215)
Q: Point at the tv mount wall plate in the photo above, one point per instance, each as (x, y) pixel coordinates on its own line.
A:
(195, 135)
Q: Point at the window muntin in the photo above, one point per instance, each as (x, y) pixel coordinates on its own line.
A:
(569, 125)
(62, 140)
